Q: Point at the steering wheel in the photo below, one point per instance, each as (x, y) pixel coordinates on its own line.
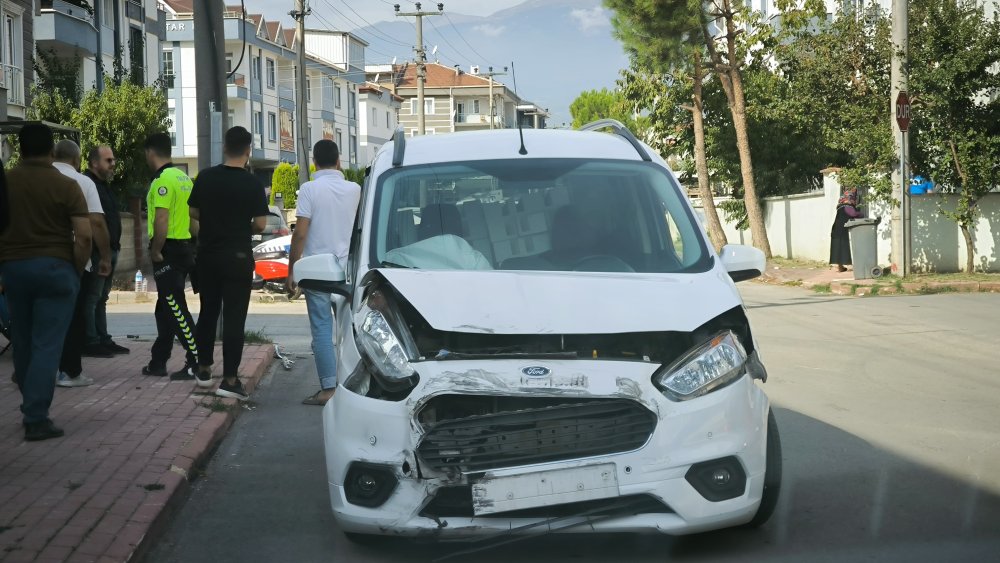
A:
(601, 263)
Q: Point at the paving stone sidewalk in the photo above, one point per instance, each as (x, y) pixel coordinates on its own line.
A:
(843, 283)
(131, 444)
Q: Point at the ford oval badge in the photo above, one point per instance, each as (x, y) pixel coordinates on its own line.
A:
(536, 371)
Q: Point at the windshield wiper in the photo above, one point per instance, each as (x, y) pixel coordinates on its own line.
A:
(387, 264)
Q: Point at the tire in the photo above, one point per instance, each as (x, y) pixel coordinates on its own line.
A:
(772, 475)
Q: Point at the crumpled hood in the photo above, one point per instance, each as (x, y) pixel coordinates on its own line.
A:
(565, 302)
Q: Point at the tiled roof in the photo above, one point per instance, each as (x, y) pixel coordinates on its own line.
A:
(289, 37)
(272, 30)
(180, 6)
(440, 76)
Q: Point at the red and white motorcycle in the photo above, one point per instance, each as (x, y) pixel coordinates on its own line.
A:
(271, 264)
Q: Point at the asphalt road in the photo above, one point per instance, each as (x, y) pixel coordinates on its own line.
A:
(888, 415)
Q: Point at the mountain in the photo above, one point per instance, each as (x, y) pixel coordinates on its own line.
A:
(559, 48)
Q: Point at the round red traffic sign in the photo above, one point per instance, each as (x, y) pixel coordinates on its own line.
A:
(903, 111)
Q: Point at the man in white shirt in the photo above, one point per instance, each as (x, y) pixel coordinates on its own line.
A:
(67, 160)
(325, 214)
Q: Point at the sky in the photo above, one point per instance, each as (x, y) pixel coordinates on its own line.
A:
(373, 11)
(559, 47)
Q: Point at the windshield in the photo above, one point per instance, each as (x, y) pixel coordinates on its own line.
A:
(539, 214)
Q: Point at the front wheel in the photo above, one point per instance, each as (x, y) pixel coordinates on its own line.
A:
(772, 475)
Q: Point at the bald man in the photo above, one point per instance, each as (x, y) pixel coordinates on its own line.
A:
(67, 160)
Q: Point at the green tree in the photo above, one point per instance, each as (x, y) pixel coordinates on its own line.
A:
(956, 97)
(838, 91)
(674, 104)
(285, 181)
(592, 105)
(122, 116)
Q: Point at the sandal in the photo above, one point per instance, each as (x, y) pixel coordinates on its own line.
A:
(316, 400)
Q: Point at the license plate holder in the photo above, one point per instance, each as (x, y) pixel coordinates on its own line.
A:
(493, 494)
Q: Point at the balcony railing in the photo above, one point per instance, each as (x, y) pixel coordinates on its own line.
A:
(168, 80)
(13, 80)
(76, 8)
(286, 93)
(237, 79)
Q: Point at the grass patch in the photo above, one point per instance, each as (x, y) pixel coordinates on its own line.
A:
(956, 277)
(72, 485)
(792, 283)
(797, 263)
(153, 487)
(822, 288)
(217, 405)
(875, 289)
(898, 284)
(931, 290)
(256, 337)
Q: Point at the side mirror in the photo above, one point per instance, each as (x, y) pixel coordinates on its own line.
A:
(321, 272)
(743, 262)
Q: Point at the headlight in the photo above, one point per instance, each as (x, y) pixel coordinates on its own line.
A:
(716, 363)
(386, 343)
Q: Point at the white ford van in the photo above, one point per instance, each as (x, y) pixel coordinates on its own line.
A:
(537, 336)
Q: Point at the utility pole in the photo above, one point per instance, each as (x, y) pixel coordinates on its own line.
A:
(900, 218)
(211, 96)
(301, 108)
(421, 58)
(490, 75)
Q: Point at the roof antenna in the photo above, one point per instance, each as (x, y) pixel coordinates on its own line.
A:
(520, 125)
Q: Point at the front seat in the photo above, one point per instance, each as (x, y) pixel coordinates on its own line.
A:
(438, 219)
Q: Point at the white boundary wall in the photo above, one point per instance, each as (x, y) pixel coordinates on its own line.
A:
(798, 226)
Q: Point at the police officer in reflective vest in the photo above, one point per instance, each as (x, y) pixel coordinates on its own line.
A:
(171, 250)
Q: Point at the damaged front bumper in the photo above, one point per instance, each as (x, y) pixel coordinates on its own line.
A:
(423, 491)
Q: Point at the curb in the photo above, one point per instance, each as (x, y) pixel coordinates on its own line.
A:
(192, 457)
(912, 288)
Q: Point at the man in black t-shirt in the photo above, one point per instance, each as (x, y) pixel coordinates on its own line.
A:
(229, 205)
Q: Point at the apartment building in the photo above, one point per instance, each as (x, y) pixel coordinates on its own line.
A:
(455, 100)
(380, 110)
(16, 56)
(98, 31)
(261, 59)
(335, 64)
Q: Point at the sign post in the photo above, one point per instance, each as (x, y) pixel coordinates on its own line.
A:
(903, 122)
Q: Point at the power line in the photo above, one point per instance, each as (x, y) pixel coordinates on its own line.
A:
(373, 31)
(332, 27)
(464, 40)
(445, 39)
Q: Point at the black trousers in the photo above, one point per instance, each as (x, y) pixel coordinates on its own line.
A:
(173, 320)
(224, 285)
(71, 361)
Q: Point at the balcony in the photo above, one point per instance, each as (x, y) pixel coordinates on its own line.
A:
(67, 27)
(13, 80)
(236, 86)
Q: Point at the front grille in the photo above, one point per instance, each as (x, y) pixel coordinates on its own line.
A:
(456, 502)
(553, 432)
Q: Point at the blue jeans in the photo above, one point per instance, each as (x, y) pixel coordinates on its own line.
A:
(41, 294)
(320, 308)
(95, 310)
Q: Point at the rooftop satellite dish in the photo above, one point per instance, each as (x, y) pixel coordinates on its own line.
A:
(434, 50)
(377, 77)
(394, 61)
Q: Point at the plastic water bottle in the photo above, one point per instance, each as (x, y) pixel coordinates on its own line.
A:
(139, 282)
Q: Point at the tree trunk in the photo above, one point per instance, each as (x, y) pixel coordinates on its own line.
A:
(714, 225)
(755, 214)
(970, 249)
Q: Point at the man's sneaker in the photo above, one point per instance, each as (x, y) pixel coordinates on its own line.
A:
(234, 391)
(203, 377)
(186, 373)
(158, 371)
(97, 351)
(64, 380)
(114, 348)
(44, 430)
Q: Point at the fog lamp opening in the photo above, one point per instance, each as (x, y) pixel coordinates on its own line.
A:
(369, 484)
(719, 479)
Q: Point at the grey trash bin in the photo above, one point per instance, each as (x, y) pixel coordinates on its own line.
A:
(864, 248)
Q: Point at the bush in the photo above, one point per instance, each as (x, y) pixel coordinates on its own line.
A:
(356, 175)
(285, 180)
